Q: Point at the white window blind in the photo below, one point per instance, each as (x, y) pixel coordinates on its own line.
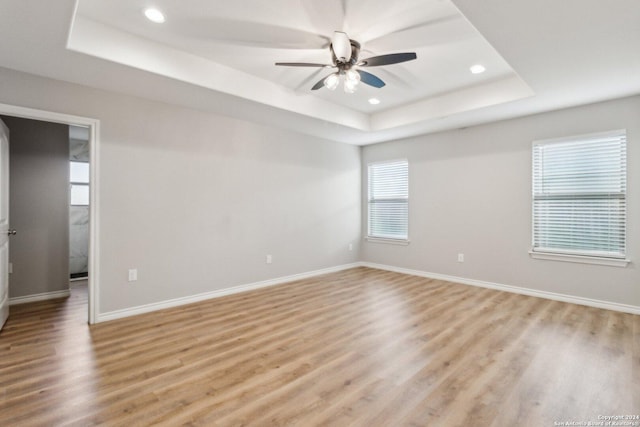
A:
(389, 200)
(579, 195)
(79, 177)
(79, 172)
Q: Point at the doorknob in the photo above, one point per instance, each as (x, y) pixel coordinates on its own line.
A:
(12, 232)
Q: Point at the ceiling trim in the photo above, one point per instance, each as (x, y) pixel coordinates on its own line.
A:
(507, 89)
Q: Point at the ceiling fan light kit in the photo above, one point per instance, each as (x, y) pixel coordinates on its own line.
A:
(350, 86)
(332, 81)
(351, 80)
(344, 54)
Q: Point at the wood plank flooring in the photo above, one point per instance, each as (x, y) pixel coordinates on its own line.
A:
(361, 347)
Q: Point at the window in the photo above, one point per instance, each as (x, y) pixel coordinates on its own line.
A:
(389, 200)
(579, 195)
(79, 177)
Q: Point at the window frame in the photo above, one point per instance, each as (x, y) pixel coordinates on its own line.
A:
(79, 184)
(587, 257)
(382, 239)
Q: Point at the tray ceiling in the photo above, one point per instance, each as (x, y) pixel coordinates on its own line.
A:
(233, 49)
(218, 56)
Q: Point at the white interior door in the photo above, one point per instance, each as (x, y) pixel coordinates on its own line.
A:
(4, 223)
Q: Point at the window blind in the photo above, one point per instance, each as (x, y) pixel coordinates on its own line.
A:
(389, 200)
(579, 195)
(79, 178)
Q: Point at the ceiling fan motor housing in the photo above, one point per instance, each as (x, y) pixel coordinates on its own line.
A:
(355, 52)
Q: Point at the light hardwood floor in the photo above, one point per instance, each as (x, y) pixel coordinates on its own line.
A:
(361, 347)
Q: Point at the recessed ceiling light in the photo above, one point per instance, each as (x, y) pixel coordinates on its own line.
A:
(477, 69)
(154, 15)
(374, 101)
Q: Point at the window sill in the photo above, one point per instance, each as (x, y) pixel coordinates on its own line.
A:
(612, 262)
(401, 242)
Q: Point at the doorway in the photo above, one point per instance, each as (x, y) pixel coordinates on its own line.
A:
(90, 127)
(79, 191)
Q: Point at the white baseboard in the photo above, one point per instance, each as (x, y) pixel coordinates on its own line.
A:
(625, 308)
(39, 297)
(132, 311)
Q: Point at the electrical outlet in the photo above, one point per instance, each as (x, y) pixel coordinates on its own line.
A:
(460, 257)
(269, 259)
(350, 246)
(133, 274)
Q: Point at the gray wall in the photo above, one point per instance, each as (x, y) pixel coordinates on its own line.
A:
(470, 192)
(196, 200)
(38, 206)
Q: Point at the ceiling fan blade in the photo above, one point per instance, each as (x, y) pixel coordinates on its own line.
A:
(438, 28)
(302, 64)
(304, 83)
(392, 58)
(253, 34)
(399, 77)
(341, 46)
(370, 79)
(320, 84)
(322, 17)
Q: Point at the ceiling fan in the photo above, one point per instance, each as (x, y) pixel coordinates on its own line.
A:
(344, 54)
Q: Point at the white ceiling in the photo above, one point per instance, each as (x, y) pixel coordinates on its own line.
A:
(540, 56)
(445, 42)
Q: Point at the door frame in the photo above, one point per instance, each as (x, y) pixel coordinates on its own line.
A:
(94, 199)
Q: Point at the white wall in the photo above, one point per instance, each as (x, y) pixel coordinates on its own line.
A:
(195, 200)
(470, 192)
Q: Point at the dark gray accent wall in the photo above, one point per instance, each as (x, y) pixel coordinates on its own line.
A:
(38, 206)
